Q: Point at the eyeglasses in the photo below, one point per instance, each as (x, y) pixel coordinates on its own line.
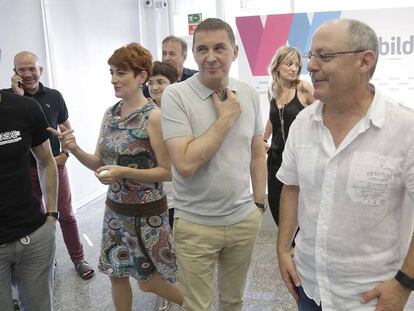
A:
(326, 56)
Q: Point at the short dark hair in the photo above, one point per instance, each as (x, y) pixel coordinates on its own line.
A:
(166, 70)
(215, 24)
(133, 57)
(180, 41)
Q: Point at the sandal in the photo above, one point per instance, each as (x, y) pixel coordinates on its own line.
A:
(15, 305)
(84, 269)
(162, 304)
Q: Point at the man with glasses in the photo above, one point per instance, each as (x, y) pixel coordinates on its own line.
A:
(26, 82)
(27, 236)
(347, 164)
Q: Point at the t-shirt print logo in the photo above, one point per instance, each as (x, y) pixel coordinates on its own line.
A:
(10, 137)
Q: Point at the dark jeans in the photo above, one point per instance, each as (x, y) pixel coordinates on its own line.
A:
(305, 303)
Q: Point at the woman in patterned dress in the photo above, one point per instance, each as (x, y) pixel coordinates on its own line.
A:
(132, 159)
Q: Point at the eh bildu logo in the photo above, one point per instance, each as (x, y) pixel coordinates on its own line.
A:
(260, 41)
(396, 46)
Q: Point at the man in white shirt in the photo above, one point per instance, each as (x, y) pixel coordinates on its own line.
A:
(348, 162)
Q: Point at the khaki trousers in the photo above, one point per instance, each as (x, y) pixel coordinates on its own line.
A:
(200, 247)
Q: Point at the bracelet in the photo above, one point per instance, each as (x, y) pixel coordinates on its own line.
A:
(265, 140)
(404, 280)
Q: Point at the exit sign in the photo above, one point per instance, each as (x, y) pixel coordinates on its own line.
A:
(193, 21)
(194, 18)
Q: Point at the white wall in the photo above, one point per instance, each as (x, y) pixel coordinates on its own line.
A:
(82, 36)
(21, 28)
(77, 37)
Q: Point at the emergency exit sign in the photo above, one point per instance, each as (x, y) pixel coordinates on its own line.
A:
(193, 21)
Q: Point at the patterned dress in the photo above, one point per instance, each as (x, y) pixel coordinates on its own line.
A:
(125, 142)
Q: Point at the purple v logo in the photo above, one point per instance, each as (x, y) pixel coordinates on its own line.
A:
(260, 43)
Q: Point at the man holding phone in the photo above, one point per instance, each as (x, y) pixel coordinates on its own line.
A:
(26, 82)
(27, 236)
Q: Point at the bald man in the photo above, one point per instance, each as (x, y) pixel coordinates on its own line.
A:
(26, 82)
(27, 236)
(347, 164)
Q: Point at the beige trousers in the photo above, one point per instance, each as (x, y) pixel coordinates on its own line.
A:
(200, 247)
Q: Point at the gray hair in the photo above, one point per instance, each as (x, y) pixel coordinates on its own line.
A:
(180, 41)
(363, 37)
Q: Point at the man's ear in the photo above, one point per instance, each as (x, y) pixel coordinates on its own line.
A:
(41, 70)
(236, 51)
(368, 60)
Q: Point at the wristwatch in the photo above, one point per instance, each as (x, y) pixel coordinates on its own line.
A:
(53, 214)
(262, 206)
(404, 280)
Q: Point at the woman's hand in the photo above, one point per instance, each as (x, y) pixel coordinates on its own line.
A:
(108, 174)
(65, 136)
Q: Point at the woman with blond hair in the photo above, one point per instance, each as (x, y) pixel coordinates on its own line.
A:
(288, 95)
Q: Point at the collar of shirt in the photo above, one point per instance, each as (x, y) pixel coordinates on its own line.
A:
(375, 113)
(203, 91)
(187, 73)
(40, 91)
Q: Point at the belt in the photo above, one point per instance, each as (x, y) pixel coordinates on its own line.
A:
(154, 208)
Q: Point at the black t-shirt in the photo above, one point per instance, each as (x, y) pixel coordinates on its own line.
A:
(54, 108)
(22, 126)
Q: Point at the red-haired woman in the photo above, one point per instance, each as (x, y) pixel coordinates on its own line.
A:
(132, 159)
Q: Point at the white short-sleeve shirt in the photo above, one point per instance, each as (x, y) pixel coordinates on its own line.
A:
(350, 200)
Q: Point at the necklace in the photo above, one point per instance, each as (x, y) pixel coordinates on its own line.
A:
(281, 110)
(282, 122)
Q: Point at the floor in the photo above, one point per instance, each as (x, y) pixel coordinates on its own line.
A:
(264, 291)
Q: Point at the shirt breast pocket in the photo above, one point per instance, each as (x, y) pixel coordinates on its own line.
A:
(372, 178)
